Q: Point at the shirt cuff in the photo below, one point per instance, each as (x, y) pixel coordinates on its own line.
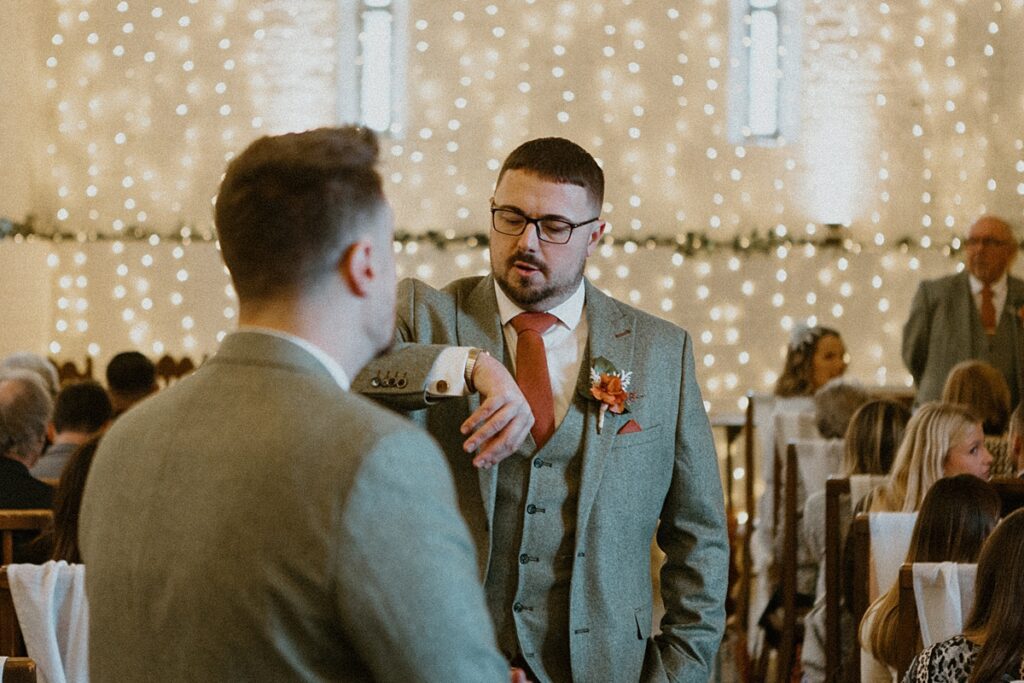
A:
(447, 377)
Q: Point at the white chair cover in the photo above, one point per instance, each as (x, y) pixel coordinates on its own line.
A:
(817, 459)
(54, 618)
(944, 593)
(890, 540)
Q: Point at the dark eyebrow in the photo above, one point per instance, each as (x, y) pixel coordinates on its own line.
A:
(547, 216)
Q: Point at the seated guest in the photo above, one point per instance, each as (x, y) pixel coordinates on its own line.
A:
(25, 410)
(277, 525)
(1015, 440)
(814, 356)
(874, 434)
(983, 389)
(956, 517)
(991, 647)
(942, 440)
(26, 360)
(61, 542)
(81, 411)
(131, 377)
(834, 405)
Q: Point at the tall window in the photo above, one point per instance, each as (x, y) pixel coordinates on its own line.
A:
(765, 68)
(372, 63)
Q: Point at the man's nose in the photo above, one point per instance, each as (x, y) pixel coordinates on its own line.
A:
(529, 239)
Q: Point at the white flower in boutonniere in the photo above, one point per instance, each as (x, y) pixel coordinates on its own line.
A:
(610, 386)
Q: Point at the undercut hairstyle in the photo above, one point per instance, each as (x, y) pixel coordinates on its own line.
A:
(956, 517)
(82, 407)
(999, 591)
(872, 437)
(560, 161)
(834, 406)
(130, 373)
(25, 411)
(979, 385)
(289, 206)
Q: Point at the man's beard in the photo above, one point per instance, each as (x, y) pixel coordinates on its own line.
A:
(526, 295)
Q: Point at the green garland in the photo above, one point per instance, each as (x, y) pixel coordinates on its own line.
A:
(836, 239)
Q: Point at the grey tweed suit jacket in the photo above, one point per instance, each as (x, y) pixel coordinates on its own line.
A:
(667, 472)
(254, 522)
(944, 328)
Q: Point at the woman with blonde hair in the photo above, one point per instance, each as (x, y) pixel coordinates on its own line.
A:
(992, 645)
(956, 517)
(941, 440)
(983, 389)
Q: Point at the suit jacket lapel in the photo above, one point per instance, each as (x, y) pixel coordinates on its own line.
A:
(477, 324)
(611, 335)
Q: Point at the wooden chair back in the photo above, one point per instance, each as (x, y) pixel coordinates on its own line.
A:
(835, 489)
(13, 521)
(860, 531)
(746, 562)
(67, 371)
(170, 370)
(788, 567)
(19, 670)
(11, 642)
(908, 629)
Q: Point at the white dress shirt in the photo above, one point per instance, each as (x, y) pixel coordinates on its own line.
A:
(565, 343)
(999, 291)
(332, 366)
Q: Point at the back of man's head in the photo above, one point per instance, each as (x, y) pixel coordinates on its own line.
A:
(82, 407)
(130, 377)
(25, 410)
(289, 205)
(558, 160)
(26, 360)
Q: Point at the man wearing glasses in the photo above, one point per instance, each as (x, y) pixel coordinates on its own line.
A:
(613, 439)
(974, 314)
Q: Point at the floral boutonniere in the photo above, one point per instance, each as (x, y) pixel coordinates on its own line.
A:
(610, 386)
(1020, 314)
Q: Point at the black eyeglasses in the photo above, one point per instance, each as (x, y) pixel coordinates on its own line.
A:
(553, 230)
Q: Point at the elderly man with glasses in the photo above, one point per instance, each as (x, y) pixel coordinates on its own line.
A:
(613, 439)
(974, 314)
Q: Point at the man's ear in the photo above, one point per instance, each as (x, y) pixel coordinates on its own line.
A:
(356, 267)
(595, 237)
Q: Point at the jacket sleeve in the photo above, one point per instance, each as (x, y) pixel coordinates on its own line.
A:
(693, 536)
(916, 334)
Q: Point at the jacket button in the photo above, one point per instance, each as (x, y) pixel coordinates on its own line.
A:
(538, 463)
(531, 508)
(524, 558)
(517, 608)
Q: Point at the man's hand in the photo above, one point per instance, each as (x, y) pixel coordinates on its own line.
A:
(519, 676)
(500, 425)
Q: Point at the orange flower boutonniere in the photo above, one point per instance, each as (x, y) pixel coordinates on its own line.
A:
(610, 386)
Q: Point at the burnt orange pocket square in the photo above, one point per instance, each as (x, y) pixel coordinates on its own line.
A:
(630, 427)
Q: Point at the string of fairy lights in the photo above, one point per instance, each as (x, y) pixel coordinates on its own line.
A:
(907, 135)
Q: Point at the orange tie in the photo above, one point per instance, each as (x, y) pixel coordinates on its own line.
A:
(988, 310)
(532, 371)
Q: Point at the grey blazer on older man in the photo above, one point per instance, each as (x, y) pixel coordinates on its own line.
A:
(255, 522)
(944, 328)
(614, 489)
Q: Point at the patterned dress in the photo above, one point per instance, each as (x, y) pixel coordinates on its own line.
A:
(950, 661)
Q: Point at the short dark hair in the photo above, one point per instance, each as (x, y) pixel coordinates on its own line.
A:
(558, 160)
(82, 407)
(130, 372)
(289, 205)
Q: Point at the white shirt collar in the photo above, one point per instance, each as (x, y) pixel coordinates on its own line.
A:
(332, 366)
(569, 312)
(998, 287)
